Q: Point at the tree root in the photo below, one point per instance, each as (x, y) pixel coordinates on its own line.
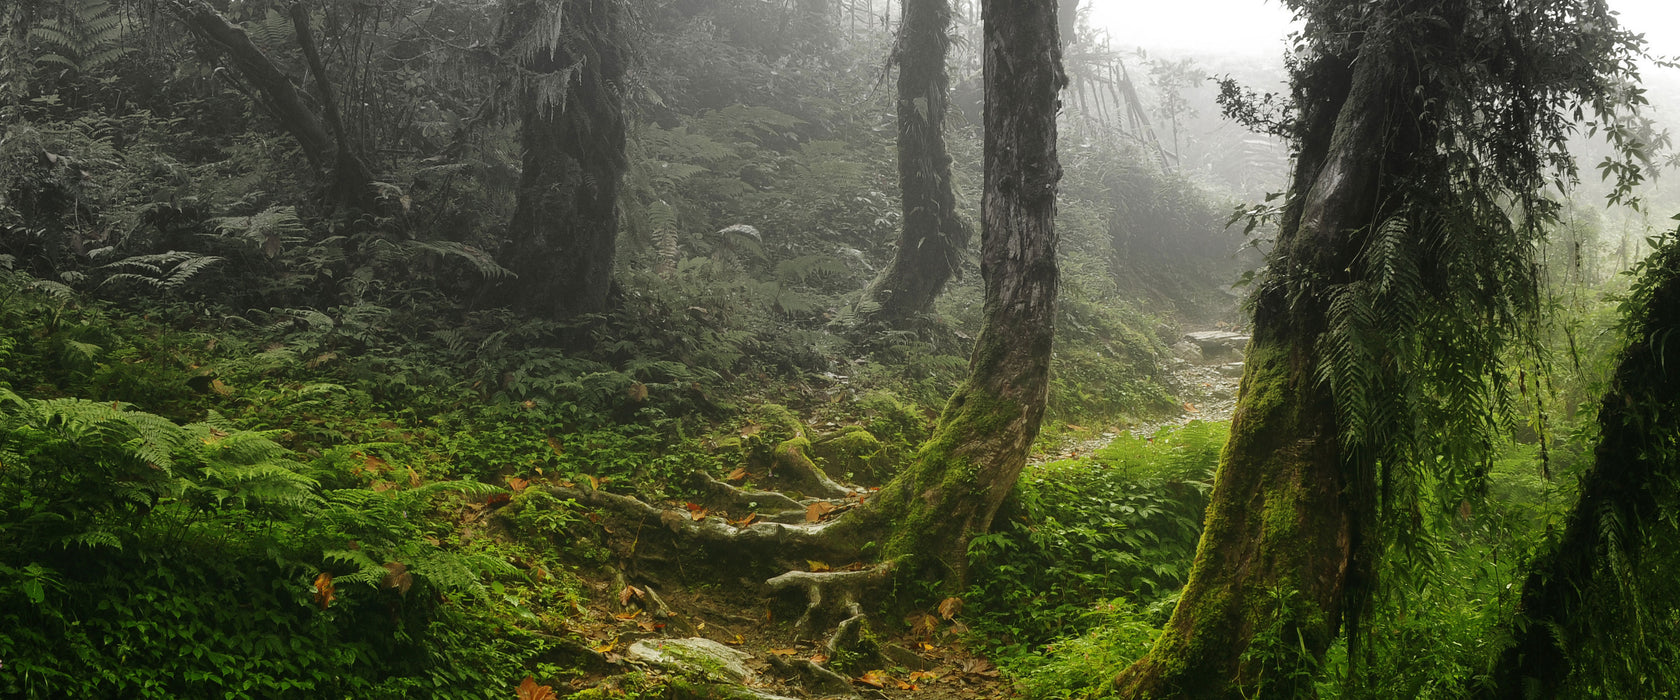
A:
(792, 464)
(722, 496)
(771, 540)
(831, 596)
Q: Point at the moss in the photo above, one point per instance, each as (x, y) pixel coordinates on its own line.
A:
(854, 454)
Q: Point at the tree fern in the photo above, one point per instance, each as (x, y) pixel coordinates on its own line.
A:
(84, 36)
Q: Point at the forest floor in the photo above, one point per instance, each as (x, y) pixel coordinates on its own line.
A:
(1206, 370)
(653, 597)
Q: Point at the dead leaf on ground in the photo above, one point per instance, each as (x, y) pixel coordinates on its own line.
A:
(737, 475)
(604, 648)
(397, 576)
(413, 477)
(627, 615)
(595, 482)
(922, 624)
(629, 592)
(324, 591)
(949, 607)
(554, 444)
(737, 641)
(979, 667)
(517, 484)
(743, 522)
(696, 511)
(817, 565)
(529, 690)
(816, 511)
(783, 652)
(874, 679)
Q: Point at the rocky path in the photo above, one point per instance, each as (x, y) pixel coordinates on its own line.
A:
(1206, 367)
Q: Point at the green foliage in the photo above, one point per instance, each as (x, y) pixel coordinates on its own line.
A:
(1083, 667)
(1123, 523)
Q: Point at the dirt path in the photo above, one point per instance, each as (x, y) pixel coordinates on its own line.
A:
(1206, 370)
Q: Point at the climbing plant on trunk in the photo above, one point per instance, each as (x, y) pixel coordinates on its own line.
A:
(1426, 133)
(953, 487)
(1586, 589)
(570, 65)
(933, 236)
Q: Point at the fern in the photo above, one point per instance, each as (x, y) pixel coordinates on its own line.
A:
(84, 36)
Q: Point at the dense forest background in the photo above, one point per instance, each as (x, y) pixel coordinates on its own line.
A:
(299, 397)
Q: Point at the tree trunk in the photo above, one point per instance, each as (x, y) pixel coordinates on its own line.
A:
(352, 186)
(961, 475)
(934, 236)
(1264, 599)
(279, 96)
(1639, 420)
(560, 240)
(16, 61)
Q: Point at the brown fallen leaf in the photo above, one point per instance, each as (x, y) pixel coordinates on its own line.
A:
(923, 624)
(529, 690)
(743, 522)
(819, 658)
(737, 641)
(817, 565)
(628, 593)
(816, 511)
(397, 576)
(782, 652)
(324, 591)
(949, 607)
(737, 475)
(517, 484)
(874, 679)
(627, 615)
(604, 648)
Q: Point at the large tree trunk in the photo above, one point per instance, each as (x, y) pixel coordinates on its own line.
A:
(1265, 594)
(352, 179)
(933, 237)
(959, 478)
(1639, 447)
(571, 110)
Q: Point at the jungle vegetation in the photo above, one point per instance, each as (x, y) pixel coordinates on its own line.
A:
(815, 348)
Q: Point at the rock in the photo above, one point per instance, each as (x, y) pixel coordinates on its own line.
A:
(1218, 342)
(1231, 369)
(696, 656)
(1187, 351)
(906, 658)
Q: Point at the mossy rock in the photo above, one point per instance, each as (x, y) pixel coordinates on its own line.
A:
(854, 455)
(760, 432)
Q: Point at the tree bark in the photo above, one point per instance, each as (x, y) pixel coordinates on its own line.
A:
(1265, 595)
(954, 486)
(352, 180)
(1639, 446)
(560, 241)
(280, 97)
(934, 236)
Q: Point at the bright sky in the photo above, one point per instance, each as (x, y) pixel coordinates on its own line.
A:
(1259, 26)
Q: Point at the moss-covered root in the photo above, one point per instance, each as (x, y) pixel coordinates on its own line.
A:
(793, 467)
(1268, 578)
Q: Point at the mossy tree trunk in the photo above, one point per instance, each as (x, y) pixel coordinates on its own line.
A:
(1265, 595)
(560, 241)
(953, 487)
(933, 235)
(1639, 448)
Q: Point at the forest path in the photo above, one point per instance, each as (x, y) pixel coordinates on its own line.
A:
(1206, 369)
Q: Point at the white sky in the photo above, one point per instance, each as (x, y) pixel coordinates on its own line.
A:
(1259, 26)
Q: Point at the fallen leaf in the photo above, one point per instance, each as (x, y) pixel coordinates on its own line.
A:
(629, 592)
(604, 648)
(737, 641)
(920, 675)
(628, 615)
(517, 484)
(927, 647)
(413, 477)
(595, 482)
(923, 624)
(783, 652)
(874, 679)
(737, 475)
(949, 607)
(816, 511)
(1075, 427)
(497, 499)
(554, 444)
(817, 565)
(819, 658)
(221, 389)
(397, 576)
(743, 522)
(529, 690)
(638, 392)
(1190, 407)
(324, 591)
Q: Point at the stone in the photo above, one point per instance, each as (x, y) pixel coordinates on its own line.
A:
(1231, 369)
(696, 656)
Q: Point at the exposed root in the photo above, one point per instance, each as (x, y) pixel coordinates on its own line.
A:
(764, 539)
(831, 596)
(722, 496)
(793, 466)
(814, 677)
